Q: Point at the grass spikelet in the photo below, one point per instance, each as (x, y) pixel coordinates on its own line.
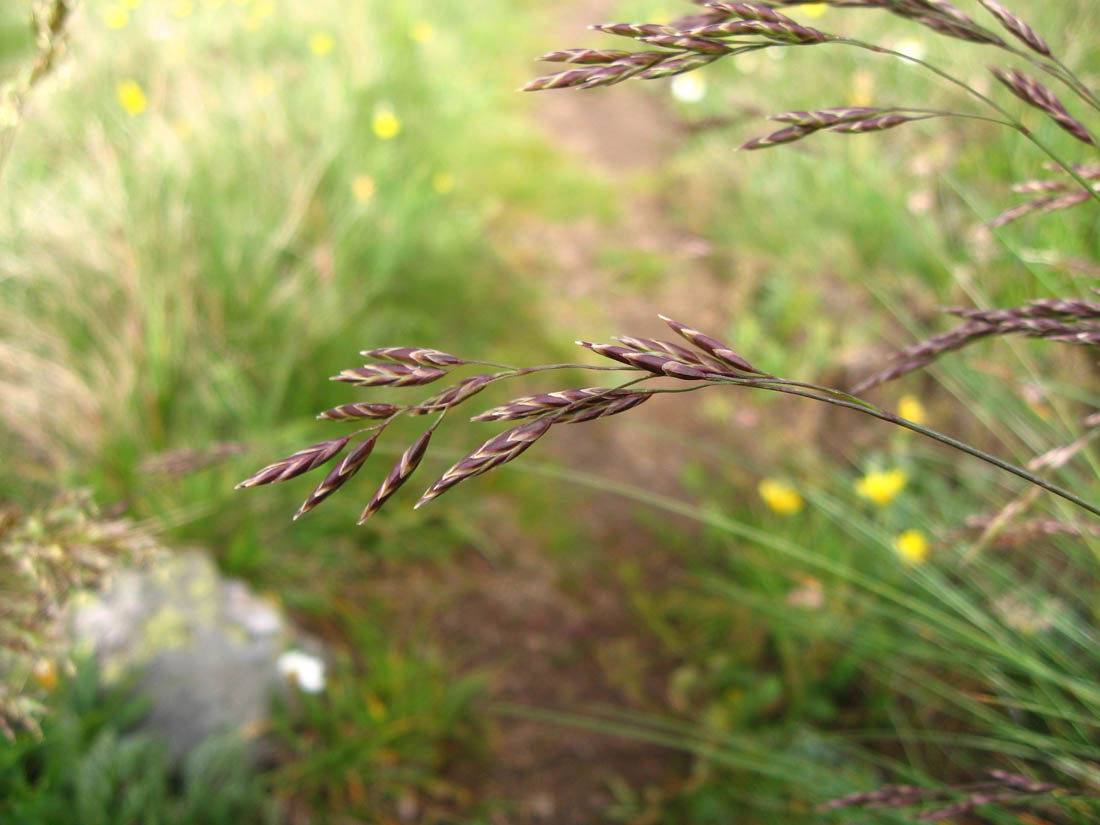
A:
(685, 43)
(584, 56)
(413, 355)
(875, 124)
(353, 412)
(1021, 30)
(783, 32)
(751, 11)
(651, 362)
(1032, 92)
(391, 375)
(712, 346)
(455, 394)
(498, 450)
(606, 74)
(1038, 320)
(677, 65)
(669, 348)
(402, 470)
(347, 467)
(604, 408)
(787, 135)
(301, 462)
(820, 118)
(532, 405)
(633, 29)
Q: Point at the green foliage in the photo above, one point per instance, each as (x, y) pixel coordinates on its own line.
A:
(88, 767)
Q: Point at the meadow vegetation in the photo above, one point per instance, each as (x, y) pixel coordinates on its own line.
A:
(213, 205)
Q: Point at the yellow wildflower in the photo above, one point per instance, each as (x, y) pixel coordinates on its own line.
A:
(781, 497)
(183, 8)
(814, 9)
(321, 43)
(131, 4)
(385, 124)
(362, 187)
(882, 486)
(213, 4)
(910, 407)
(131, 97)
(116, 17)
(443, 182)
(422, 32)
(912, 546)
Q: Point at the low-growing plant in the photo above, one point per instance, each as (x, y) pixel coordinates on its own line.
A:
(1032, 694)
(45, 557)
(87, 765)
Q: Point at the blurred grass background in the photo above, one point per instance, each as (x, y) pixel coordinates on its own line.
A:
(214, 204)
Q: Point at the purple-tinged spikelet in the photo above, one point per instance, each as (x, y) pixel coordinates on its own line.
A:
(301, 462)
(498, 450)
(603, 74)
(783, 32)
(1017, 27)
(633, 29)
(390, 375)
(712, 346)
(532, 405)
(651, 362)
(413, 355)
(751, 11)
(405, 467)
(874, 124)
(352, 412)
(676, 65)
(820, 118)
(1031, 91)
(347, 467)
(603, 409)
(584, 56)
(455, 394)
(685, 43)
(787, 135)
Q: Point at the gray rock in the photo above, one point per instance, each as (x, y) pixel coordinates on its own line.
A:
(205, 648)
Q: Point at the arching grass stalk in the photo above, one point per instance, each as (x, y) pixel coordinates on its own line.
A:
(706, 362)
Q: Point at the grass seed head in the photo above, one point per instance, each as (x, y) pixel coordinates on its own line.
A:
(390, 375)
(402, 470)
(712, 346)
(347, 467)
(498, 450)
(413, 355)
(1021, 30)
(1032, 92)
(301, 462)
(584, 56)
(353, 412)
(532, 405)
